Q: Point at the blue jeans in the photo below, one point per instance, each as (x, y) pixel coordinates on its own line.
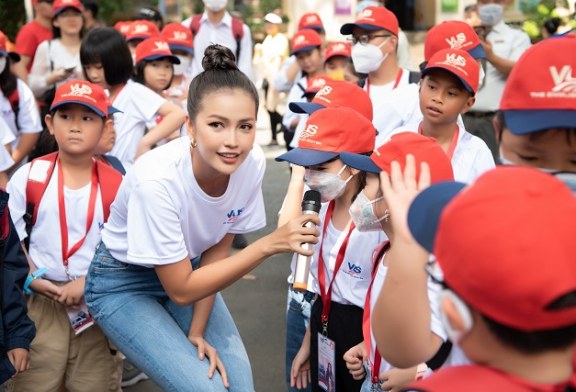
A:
(132, 308)
(367, 385)
(298, 310)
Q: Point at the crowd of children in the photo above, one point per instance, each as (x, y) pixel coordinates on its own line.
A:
(431, 268)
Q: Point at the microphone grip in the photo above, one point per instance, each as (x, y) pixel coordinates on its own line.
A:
(302, 269)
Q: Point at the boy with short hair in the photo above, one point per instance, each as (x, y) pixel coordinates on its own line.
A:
(63, 233)
(509, 297)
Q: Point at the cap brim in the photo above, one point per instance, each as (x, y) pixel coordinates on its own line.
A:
(305, 49)
(305, 107)
(347, 28)
(173, 59)
(426, 209)
(522, 122)
(317, 28)
(113, 110)
(183, 48)
(360, 162)
(89, 106)
(477, 52)
(58, 12)
(306, 157)
(464, 83)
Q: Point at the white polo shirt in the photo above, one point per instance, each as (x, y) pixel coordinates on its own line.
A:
(139, 105)
(508, 43)
(295, 95)
(28, 116)
(45, 239)
(161, 215)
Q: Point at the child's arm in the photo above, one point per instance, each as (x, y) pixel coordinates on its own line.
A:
(291, 206)
(402, 327)
(300, 375)
(172, 119)
(355, 358)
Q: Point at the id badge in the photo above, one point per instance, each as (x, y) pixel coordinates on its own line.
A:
(326, 363)
(80, 318)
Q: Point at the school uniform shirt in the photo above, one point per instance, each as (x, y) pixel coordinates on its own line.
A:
(353, 278)
(161, 215)
(6, 137)
(139, 105)
(281, 82)
(45, 239)
(508, 43)
(471, 157)
(221, 33)
(28, 117)
(295, 95)
(52, 51)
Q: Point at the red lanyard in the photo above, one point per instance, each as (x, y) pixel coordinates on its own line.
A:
(327, 295)
(396, 82)
(366, 329)
(66, 254)
(453, 143)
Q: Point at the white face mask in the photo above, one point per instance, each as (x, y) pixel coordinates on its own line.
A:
(330, 185)
(491, 14)
(3, 62)
(215, 5)
(367, 58)
(185, 61)
(362, 213)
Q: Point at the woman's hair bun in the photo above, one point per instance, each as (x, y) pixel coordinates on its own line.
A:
(218, 57)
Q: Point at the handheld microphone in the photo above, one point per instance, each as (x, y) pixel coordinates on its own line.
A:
(310, 206)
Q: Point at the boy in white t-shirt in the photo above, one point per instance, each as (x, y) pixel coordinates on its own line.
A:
(68, 351)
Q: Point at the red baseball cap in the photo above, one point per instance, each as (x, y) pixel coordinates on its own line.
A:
(84, 93)
(424, 149)
(5, 48)
(142, 29)
(154, 49)
(453, 34)
(305, 40)
(123, 27)
(337, 93)
(459, 63)
(311, 21)
(330, 132)
(373, 18)
(179, 37)
(540, 92)
(315, 84)
(338, 49)
(61, 5)
(513, 271)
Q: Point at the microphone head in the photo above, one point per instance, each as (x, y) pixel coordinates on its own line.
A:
(311, 201)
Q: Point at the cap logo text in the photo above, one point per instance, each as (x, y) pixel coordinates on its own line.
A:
(563, 78)
(456, 60)
(161, 45)
(309, 131)
(180, 36)
(457, 41)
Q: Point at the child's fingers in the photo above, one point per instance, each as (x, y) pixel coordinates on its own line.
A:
(410, 172)
(425, 176)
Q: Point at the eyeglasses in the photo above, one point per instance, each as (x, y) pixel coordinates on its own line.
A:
(365, 38)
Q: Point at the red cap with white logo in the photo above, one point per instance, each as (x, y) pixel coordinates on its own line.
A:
(540, 92)
(305, 40)
(123, 27)
(315, 84)
(373, 19)
(459, 63)
(311, 21)
(453, 34)
(328, 133)
(154, 49)
(142, 29)
(61, 5)
(179, 37)
(84, 93)
(338, 49)
(5, 48)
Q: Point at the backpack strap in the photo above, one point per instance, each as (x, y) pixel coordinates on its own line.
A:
(195, 25)
(361, 83)
(109, 180)
(414, 77)
(115, 163)
(39, 176)
(14, 99)
(238, 34)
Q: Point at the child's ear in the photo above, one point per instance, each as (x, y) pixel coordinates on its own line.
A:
(49, 123)
(468, 105)
(108, 123)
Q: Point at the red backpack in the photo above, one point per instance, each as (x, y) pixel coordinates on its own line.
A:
(109, 180)
(237, 30)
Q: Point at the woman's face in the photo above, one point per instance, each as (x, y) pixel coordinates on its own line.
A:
(224, 130)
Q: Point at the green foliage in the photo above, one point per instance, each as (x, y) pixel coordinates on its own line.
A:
(12, 17)
(537, 13)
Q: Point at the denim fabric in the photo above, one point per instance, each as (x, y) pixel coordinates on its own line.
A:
(298, 308)
(367, 385)
(132, 308)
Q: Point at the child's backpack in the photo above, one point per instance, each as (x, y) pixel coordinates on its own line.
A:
(237, 30)
(109, 180)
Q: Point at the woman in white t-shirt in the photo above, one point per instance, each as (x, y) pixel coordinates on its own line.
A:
(178, 204)
(107, 61)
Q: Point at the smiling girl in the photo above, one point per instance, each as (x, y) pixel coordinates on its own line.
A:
(164, 251)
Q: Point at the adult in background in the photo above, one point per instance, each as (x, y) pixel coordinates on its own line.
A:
(503, 46)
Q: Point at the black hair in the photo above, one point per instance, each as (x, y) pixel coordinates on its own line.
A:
(151, 14)
(107, 46)
(91, 6)
(8, 81)
(139, 72)
(533, 342)
(533, 136)
(56, 33)
(220, 72)
(451, 75)
(551, 25)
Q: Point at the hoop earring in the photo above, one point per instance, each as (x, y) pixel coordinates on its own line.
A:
(193, 143)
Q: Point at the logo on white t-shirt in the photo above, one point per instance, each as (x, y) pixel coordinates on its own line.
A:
(233, 216)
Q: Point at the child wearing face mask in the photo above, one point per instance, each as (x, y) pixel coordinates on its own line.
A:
(364, 360)
(181, 44)
(341, 266)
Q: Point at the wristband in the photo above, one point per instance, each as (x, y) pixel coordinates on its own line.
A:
(421, 371)
(32, 277)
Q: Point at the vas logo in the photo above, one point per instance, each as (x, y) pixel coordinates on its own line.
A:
(457, 41)
(457, 60)
(161, 45)
(563, 78)
(309, 131)
(77, 89)
(180, 36)
(233, 215)
(354, 268)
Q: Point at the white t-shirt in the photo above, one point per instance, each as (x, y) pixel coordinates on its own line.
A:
(28, 116)
(471, 157)
(6, 137)
(45, 239)
(295, 95)
(355, 274)
(138, 104)
(169, 215)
